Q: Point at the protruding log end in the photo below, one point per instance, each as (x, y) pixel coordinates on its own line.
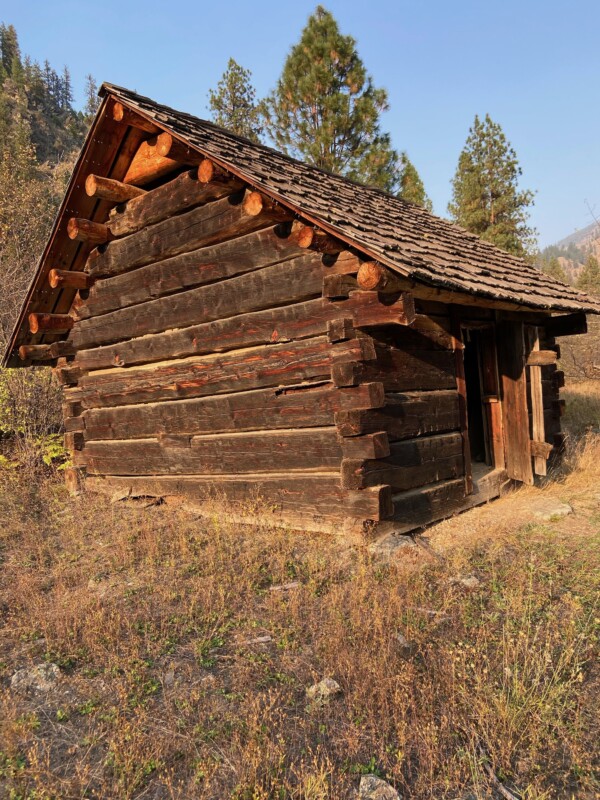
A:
(35, 352)
(57, 323)
(59, 278)
(303, 234)
(371, 276)
(164, 144)
(169, 147)
(209, 172)
(84, 230)
(254, 203)
(108, 189)
(125, 115)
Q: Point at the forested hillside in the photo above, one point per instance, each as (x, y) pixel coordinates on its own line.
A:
(40, 134)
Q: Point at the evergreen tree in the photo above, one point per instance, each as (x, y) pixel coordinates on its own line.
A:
(92, 101)
(325, 108)
(9, 47)
(66, 91)
(553, 268)
(411, 185)
(486, 198)
(233, 103)
(589, 277)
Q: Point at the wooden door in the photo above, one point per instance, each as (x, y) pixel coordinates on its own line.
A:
(512, 358)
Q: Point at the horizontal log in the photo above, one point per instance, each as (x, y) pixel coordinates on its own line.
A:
(540, 449)
(188, 270)
(121, 113)
(404, 415)
(252, 368)
(413, 463)
(419, 507)
(84, 230)
(149, 164)
(180, 194)
(57, 323)
(401, 370)
(217, 221)
(541, 358)
(272, 286)
(45, 352)
(66, 374)
(302, 406)
(278, 324)
(314, 449)
(305, 494)
(374, 277)
(111, 190)
(62, 278)
(377, 310)
(566, 324)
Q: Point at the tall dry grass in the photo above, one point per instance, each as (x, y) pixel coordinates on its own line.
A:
(184, 662)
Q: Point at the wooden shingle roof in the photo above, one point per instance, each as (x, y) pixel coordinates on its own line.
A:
(405, 237)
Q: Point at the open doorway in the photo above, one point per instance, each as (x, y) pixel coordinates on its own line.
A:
(484, 414)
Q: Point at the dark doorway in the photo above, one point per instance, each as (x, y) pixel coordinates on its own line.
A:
(481, 451)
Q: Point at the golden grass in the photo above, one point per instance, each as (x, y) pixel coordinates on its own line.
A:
(167, 690)
(582, 407)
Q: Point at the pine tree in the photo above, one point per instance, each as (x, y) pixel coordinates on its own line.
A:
(66, 93)
(92, 101)
(411, 185)
(554, 268)
(325, 108)
(486, 198)
(233, 103)
(9, 47)
(589, 277)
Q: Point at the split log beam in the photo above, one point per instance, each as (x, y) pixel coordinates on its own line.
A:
(418, 507)
(279, 324)
(269, 287)
(151, 161)
(111, 190)
(303, 493)
(299, 406)
(84, 230)
(404, 415)
(378, 310)
(542, 358)
(180, 194)
(401, 370)
(314, 449)
(566, 324)
(62, 278)
(536, 395)
(252, 368)
(55, 323)
(410, 464)
(121, 113)
(340, 329)
(217, 221)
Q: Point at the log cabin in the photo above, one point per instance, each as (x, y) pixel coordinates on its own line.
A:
(235, 327)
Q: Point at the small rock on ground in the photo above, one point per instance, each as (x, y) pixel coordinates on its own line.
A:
(549, 510)
(323, 691)
(373, 788)
(40, 678)
(406, 648)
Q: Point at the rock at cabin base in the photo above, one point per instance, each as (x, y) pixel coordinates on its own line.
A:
(40, 678)
(373, 788)
(323, 691)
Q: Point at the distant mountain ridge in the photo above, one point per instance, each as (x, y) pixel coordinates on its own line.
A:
(580, 237)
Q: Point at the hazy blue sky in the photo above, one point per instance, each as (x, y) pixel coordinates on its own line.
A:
(533, 65)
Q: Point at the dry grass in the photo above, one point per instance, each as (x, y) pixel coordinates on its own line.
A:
(169, 688)
(582, 407)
